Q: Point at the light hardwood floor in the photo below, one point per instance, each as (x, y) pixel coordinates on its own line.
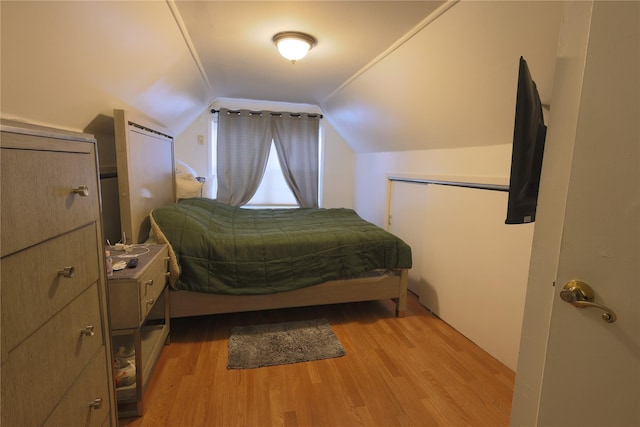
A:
(411, 371)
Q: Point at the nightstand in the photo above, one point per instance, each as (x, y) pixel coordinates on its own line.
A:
(139, 307)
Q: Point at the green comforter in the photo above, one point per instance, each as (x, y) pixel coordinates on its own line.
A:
(222, 249)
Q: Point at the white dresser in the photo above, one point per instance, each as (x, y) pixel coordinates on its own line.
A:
(56, 352)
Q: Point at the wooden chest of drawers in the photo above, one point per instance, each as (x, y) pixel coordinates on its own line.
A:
(56, 351)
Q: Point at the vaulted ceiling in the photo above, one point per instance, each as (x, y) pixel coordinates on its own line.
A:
(233, 42)
(390, 75)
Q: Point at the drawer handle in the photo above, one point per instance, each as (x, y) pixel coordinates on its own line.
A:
(83, 191)
(88, 331)
(96, 403)
(149, 282)
(67, 272)
(150, 301)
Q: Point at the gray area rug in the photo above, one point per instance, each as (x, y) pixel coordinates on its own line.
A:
(282, 343)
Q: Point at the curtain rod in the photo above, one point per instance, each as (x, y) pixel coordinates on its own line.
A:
(492, 187)
(273, 113)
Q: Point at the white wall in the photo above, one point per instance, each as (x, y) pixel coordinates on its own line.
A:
(453, 83)
(337, 177)
(192, 147)
(469, 267)
(489, 164)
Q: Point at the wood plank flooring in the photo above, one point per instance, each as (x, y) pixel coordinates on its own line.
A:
(411, 371)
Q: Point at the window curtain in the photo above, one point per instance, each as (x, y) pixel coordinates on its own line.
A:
(244, 140)
(296, 137)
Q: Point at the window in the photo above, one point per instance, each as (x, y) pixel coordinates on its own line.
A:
(273, 191)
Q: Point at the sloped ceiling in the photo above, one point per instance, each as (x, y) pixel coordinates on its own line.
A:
(233, 42)
(67, 63)
(389, 75)
(453, 84)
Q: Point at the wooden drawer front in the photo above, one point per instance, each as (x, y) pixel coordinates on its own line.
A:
(31, 282)
(38, 371)
(74, 410)
(124, 304)
(38, 202)
(152, 283)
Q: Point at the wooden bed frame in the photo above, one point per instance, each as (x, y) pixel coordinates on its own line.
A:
(144, 149)
(186, 303)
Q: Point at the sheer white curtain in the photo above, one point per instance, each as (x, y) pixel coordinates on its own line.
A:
(244, 140)
(296, 137)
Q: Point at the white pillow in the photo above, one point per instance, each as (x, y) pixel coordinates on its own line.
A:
(187, 186)
(182, 167)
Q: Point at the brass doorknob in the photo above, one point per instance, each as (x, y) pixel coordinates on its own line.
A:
(579, 294)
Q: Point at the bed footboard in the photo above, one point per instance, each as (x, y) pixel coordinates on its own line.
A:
(187, 303)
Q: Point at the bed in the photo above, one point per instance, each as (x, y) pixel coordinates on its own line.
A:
(356, 260)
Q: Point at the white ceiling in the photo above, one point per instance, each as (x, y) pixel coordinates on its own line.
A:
(389, 75)
(65, 62)
(232, 40)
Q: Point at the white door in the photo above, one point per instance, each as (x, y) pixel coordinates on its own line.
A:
(590, 368)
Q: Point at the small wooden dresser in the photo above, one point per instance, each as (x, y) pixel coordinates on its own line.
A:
(139, 307)
(56, 351)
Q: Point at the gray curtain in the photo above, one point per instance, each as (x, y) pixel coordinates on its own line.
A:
(296, 139)
(244, 140)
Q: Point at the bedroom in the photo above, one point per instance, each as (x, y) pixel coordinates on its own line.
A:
(164, 83)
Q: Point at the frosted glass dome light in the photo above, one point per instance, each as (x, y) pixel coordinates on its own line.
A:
(293, 45)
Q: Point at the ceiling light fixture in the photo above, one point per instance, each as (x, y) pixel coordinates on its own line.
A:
(294, 45)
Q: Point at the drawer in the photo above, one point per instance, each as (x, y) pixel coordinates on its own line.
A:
(31, 282)
(39, 201)
(133, 292)
(39, 371)
(74, 409)
(153, 283)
